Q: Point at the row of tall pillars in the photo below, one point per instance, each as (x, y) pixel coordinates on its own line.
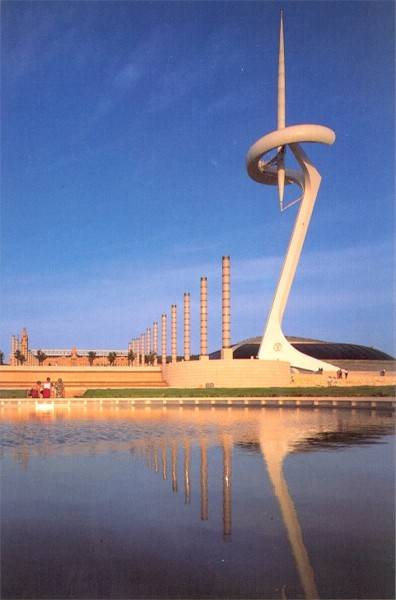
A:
(204, 317)
(174, 332)
(226, 322)
(187, 332)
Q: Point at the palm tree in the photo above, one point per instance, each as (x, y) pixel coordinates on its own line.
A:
(22, 359)
(17, 355)
(91, 357)
(111, 357)
(131, 356)
(41, 356)
(1, 357)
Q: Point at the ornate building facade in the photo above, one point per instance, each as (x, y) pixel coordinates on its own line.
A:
(22, 354)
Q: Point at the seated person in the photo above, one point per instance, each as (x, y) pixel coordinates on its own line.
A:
(36, 389)
(60, 388)
(47, 388)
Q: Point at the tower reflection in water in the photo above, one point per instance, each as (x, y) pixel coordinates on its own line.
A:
(274, 434)
(274, 449)
(275, 438)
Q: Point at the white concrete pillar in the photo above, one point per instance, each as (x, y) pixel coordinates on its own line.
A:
(226, 309)
(148, 340)
(204, 318)
(135, 348)
(142, 349)
(163, 339)
(155, 341)
(174, 332)
(187, 332)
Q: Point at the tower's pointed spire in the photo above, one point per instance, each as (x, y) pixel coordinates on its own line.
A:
(281, 110)
(281, 76)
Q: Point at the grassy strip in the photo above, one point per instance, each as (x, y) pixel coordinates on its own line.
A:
(12, 393)
(352, 391)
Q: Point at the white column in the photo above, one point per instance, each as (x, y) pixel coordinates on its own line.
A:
(174, 332)
(163, 339)
(204, 318)
(187, 333)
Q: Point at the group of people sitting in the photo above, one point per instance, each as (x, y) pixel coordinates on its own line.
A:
(48, 389)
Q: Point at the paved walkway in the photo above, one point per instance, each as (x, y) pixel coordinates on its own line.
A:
(371, 403)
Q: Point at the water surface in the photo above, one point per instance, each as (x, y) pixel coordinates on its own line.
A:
(124, 502)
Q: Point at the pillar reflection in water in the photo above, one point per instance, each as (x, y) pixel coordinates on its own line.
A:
(204, 480)
(164, 463)
(274, 450)
(187, 465)
(174, 466)
(227, 479)
(156, 462)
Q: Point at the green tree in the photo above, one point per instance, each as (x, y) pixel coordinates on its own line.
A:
(111, 357)
(41, 356)
(150, 358)
(131, 356)
(91, 357)
(17, 355)
(22, 358)
(1, 357)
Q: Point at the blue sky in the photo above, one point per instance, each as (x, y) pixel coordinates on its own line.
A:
(126, 126)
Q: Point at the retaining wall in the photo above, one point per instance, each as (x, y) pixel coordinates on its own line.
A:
(227, 373)
(79, 378)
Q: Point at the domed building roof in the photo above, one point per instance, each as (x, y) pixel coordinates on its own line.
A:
(315, 348)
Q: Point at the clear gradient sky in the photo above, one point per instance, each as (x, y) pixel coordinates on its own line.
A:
(126, 126)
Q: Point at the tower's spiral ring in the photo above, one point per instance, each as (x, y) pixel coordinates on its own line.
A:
(266, 172)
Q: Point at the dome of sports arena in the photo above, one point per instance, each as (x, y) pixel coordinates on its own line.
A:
(352, 356)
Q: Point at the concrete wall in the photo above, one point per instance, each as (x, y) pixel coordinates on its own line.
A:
(366, 365)
(227, 373)
(76, 378)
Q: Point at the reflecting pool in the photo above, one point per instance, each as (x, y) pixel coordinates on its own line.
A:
(196, 502)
